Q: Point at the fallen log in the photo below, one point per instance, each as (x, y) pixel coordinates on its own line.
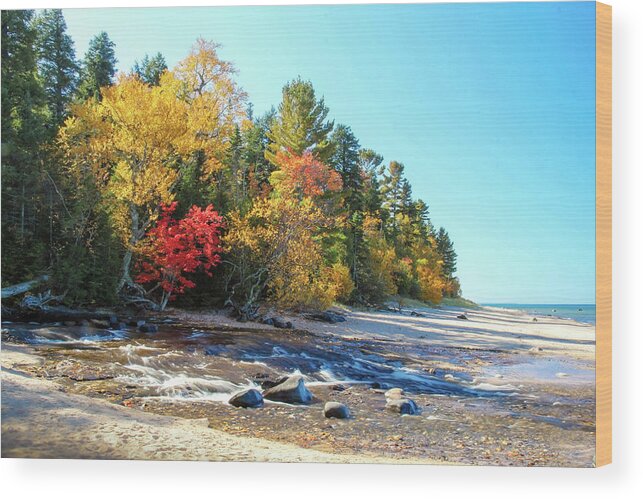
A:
(23, 287)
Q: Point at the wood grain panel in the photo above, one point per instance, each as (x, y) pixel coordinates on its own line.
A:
(603, 234)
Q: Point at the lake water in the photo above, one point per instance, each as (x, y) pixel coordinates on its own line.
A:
(578, 312)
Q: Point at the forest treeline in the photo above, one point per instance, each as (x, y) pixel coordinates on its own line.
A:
(162, 183)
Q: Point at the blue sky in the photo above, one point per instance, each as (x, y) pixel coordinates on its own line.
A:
(489, 106)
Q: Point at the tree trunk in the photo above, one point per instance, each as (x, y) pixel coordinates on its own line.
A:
(23, 287)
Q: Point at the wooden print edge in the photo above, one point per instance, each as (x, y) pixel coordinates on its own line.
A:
(603, 234)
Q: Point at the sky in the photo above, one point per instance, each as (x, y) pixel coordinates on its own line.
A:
(490, 107)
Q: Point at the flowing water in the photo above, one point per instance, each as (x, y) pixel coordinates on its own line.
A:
(471, 400)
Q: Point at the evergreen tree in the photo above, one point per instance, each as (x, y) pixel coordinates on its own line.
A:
(444, 246)
(345, 159)
(150, 69)
(301, 123)
(394, 195)
(23, 131)
(99, 66)
(57, 64)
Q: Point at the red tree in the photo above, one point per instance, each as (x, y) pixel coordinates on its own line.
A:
(306, 175)
(175, 248)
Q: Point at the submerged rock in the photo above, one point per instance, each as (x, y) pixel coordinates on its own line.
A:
(292, 390)
(394, 393)
(336, 410)
(463, 317)
(402, 406)
(248, 398)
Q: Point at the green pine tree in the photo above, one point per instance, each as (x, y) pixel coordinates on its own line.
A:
(301, 123)
(98, 68)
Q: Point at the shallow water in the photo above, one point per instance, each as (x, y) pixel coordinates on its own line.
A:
(187, 363)
(477, 405)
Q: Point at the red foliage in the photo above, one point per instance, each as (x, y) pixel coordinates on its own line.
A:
(307, 175)
(179, 247)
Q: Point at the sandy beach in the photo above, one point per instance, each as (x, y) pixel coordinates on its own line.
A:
(496, 388)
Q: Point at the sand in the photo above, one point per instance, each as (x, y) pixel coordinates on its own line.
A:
(40, 420)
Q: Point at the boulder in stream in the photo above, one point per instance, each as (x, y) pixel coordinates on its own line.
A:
(292, 391)
(248, 398)
(402, 406)
(336, 410)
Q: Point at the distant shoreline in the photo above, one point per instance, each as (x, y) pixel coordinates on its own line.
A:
(579, 312)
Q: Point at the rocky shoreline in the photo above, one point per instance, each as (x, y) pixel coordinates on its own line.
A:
(401, 394)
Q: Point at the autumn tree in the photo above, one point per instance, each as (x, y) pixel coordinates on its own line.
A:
(136, 141)
(301, 123)
(174, 249)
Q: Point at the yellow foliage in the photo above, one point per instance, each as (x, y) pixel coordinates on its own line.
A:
(278, 236)
(133, 142)
(430, 280)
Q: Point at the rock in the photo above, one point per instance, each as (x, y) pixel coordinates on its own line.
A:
(248, 398)
(394, 393)
(402, 406)
(100, 323)
(279, 323)
(338, 388)
(69, 323)
(149, 328)
(327, 316)
(416, 314)
(85, 323)
(463, 317)
(292, 391)
(268, 320)
(336, 410)
(122, 326)
(113, 321)
(137, 322)
(535, 320)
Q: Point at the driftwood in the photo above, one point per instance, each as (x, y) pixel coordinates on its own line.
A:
(23, 287)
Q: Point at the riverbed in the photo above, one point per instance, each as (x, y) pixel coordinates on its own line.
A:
(497, 388)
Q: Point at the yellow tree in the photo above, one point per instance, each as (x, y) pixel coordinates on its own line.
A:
(135, 142)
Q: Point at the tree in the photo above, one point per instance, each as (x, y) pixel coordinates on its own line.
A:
(301, 123)
(24, 115)
(444, 246)
(57, 63)
(98, 68)
(392, 189)
(303, 176)
(138, 140)
(175, 248)
(150, 69)
(345, 159)
(273, 250)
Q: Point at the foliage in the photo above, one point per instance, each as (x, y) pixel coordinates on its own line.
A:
(98, 67)
(89, 159)
(303, 176)
(150, 69)
(301, 123)
(57, 63)
(175, 248)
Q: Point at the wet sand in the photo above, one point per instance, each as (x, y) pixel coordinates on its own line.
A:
(497, 389)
